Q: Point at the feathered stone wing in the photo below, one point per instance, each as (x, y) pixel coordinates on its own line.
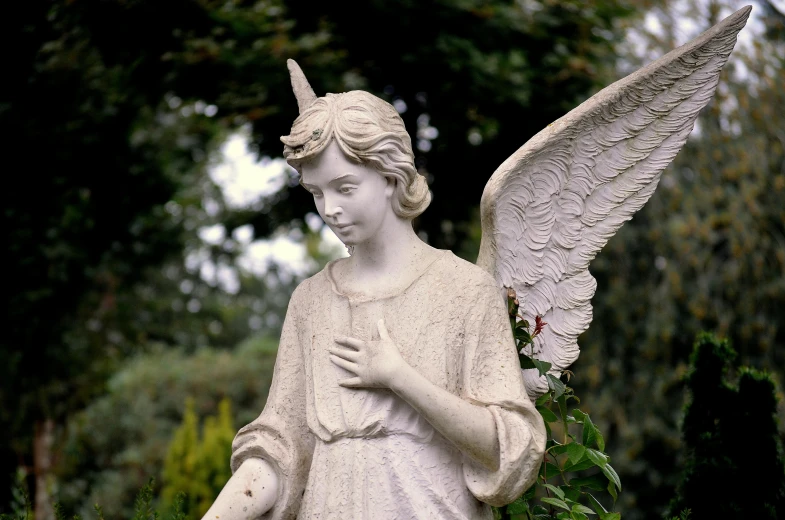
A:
(550, 208)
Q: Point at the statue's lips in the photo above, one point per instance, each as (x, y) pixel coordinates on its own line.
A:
(342, 227)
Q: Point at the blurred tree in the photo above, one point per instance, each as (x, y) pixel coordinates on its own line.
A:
(121, 439)
(723, 476)
(181, 460)
(706, 253)
(198, 464)
(84, 215)
(214, 450)
(111, 174)
(473, 80)
(115, 110)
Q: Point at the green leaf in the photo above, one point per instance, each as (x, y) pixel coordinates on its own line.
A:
(548, 431)
(600, 440)
(577, 515)
(580, 508)
(595, 482)
(539, 510)
(523, 335)
(542, 366)
(562, 402)
(555, 384)
(526, 362)
(596, 505)
(543, 399)
(597, 457)
(547, 415)
(557, 449)
(612, 491)
(571, 493)
(558, 492)
(551, 470)
(575, 452)
(586, 463)
(610, 516)
(609, 472)
(556, 503)
(590, 433)
(561, 515)
(518, 507)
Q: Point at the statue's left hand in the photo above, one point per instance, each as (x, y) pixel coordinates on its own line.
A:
(374, 363)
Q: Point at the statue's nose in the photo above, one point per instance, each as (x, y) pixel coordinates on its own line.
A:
(331, 208)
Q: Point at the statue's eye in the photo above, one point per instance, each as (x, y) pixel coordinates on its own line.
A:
(346, 189)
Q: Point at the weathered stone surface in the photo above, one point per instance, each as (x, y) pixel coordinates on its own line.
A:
(397, 390)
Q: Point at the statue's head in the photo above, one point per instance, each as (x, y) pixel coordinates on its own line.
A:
(368, 131)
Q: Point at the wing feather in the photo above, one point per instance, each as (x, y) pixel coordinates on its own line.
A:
(552, 206)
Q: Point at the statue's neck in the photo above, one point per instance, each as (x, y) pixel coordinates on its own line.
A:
(387, 252)
(391, 260)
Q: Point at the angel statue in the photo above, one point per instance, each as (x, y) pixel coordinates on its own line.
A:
(397, 390)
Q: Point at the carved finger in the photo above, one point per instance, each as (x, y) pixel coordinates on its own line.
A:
(353, 382)
(382, 330)
(347, 354)
(354, 343)
(346, 365)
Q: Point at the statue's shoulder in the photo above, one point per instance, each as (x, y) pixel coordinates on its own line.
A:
(465, 274)
(317, 284)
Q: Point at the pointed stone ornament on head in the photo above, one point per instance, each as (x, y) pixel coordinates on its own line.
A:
(302, 90)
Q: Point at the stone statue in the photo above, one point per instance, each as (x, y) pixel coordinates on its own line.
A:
(397, 390)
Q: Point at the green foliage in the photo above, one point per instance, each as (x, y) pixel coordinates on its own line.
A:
(112, 142)
(21, 508)
(197, 465)
(705, 253)
(121, 439)
(724, 475)
(181, 459)
(112, 154)
(575, 467)
(143, 507)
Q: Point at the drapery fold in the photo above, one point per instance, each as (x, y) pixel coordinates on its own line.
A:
(366, 453)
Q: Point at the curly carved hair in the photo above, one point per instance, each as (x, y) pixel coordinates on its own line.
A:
(369, 131)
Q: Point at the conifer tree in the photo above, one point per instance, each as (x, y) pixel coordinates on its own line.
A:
(198, 465)
(180, 464)
(734, 465)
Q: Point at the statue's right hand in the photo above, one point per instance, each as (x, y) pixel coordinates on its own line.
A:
(251, 492)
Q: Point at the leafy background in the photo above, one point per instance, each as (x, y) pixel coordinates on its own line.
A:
(141, 280)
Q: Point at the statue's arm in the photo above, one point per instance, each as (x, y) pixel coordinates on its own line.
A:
(470, 427)
(250, 493)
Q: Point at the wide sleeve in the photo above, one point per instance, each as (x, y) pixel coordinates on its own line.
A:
(491, 376)
(280, 434)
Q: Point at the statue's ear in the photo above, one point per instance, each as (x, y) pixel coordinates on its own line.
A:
(392, 182)
(302, 90)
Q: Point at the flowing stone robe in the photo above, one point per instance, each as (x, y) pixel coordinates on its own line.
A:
(348, 453)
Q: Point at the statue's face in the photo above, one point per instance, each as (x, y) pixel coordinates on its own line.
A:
(353, 199)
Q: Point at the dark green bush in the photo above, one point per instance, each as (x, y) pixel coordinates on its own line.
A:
(734, 461)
